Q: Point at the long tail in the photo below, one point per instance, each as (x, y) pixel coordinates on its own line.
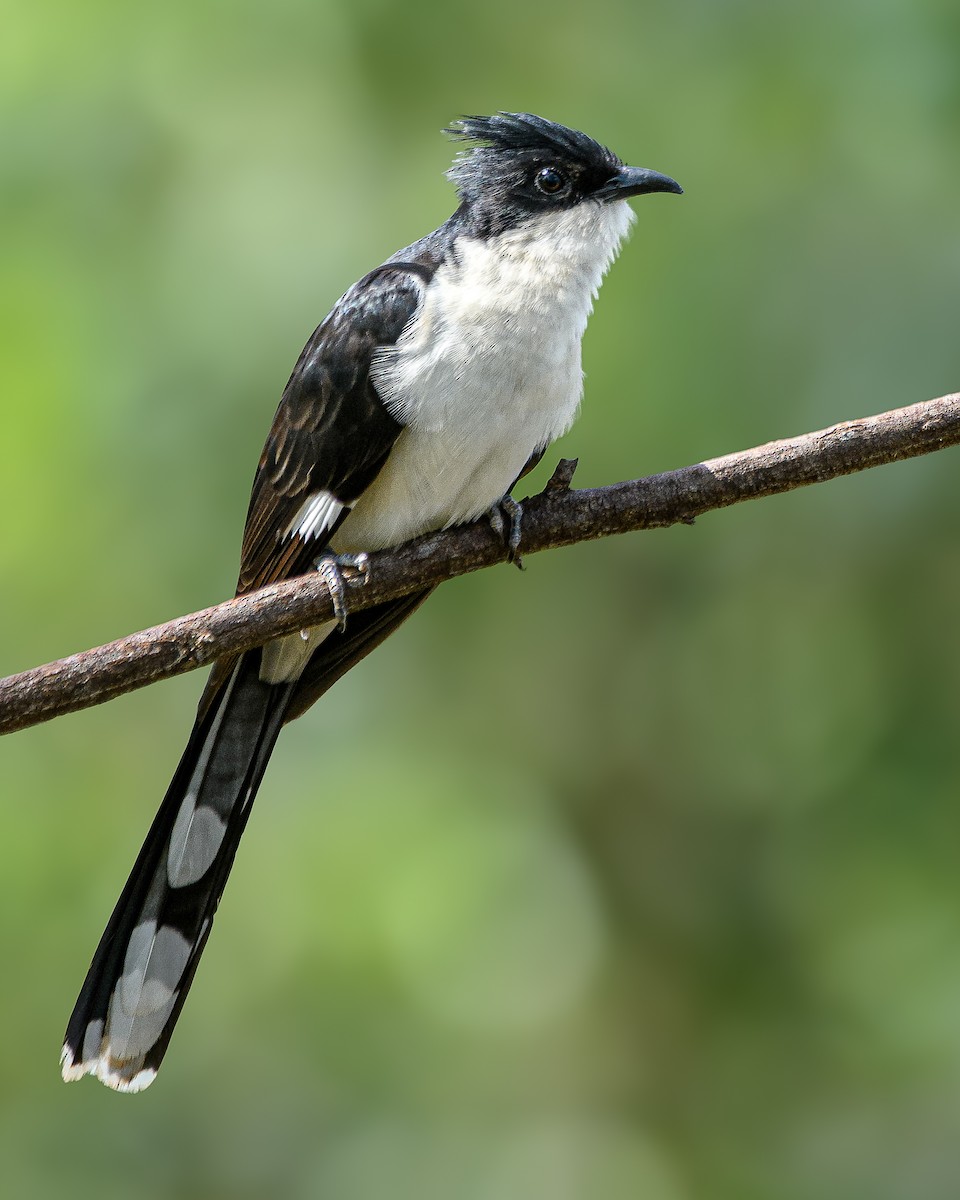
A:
(144, 965)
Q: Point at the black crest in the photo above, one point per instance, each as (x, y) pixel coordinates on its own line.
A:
(525, 133)
(497, 172)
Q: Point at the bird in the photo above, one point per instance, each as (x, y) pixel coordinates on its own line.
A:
(434, 384)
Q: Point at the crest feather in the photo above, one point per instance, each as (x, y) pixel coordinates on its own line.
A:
(527, 132)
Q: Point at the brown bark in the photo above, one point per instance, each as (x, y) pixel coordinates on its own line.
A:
(559, 516)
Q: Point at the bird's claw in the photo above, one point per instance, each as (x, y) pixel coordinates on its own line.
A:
(331, 567)
(513, 511)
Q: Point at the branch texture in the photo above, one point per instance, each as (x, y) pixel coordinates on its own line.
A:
(559, 516)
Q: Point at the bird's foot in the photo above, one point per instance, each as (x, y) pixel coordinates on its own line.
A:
(331, 567)
(512, 510)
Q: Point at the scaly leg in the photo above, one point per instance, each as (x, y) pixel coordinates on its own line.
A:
(513, 511)
(331, 566)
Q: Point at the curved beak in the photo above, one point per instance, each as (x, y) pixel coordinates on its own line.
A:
(637, 181)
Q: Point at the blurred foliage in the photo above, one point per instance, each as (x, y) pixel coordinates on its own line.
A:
(634, 876)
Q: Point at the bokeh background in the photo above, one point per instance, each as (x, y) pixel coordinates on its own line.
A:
(637, 875)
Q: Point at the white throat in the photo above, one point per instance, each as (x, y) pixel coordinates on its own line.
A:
(503, 316)
(488, 371)
(486, 374)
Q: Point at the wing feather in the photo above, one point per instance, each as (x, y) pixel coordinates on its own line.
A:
(331, 433)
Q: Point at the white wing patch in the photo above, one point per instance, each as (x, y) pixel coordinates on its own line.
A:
(486, 374)
(318, 513)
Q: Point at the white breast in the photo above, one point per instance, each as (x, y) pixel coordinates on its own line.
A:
(487, 373)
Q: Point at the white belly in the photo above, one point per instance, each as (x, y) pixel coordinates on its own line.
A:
(440, 477)
(486, 375)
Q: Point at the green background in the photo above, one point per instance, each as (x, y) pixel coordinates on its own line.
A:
(632, 876)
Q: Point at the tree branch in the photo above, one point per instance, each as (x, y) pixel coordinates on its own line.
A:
(559, 516)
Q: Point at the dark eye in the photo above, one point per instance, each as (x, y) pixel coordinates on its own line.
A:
(550, 181)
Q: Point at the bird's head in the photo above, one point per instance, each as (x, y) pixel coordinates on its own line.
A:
(519, 165)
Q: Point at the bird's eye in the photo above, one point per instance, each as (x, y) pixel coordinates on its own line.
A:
(549, 181)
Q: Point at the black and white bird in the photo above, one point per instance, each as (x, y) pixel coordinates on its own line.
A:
(433, 385)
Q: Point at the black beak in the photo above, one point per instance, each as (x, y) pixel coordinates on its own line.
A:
(637, 181)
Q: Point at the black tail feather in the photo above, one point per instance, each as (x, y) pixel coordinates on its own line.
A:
(146, 959)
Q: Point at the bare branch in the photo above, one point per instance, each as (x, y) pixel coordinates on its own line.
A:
(559, 516)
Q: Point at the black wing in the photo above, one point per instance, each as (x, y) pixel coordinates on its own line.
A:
(331, 433)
